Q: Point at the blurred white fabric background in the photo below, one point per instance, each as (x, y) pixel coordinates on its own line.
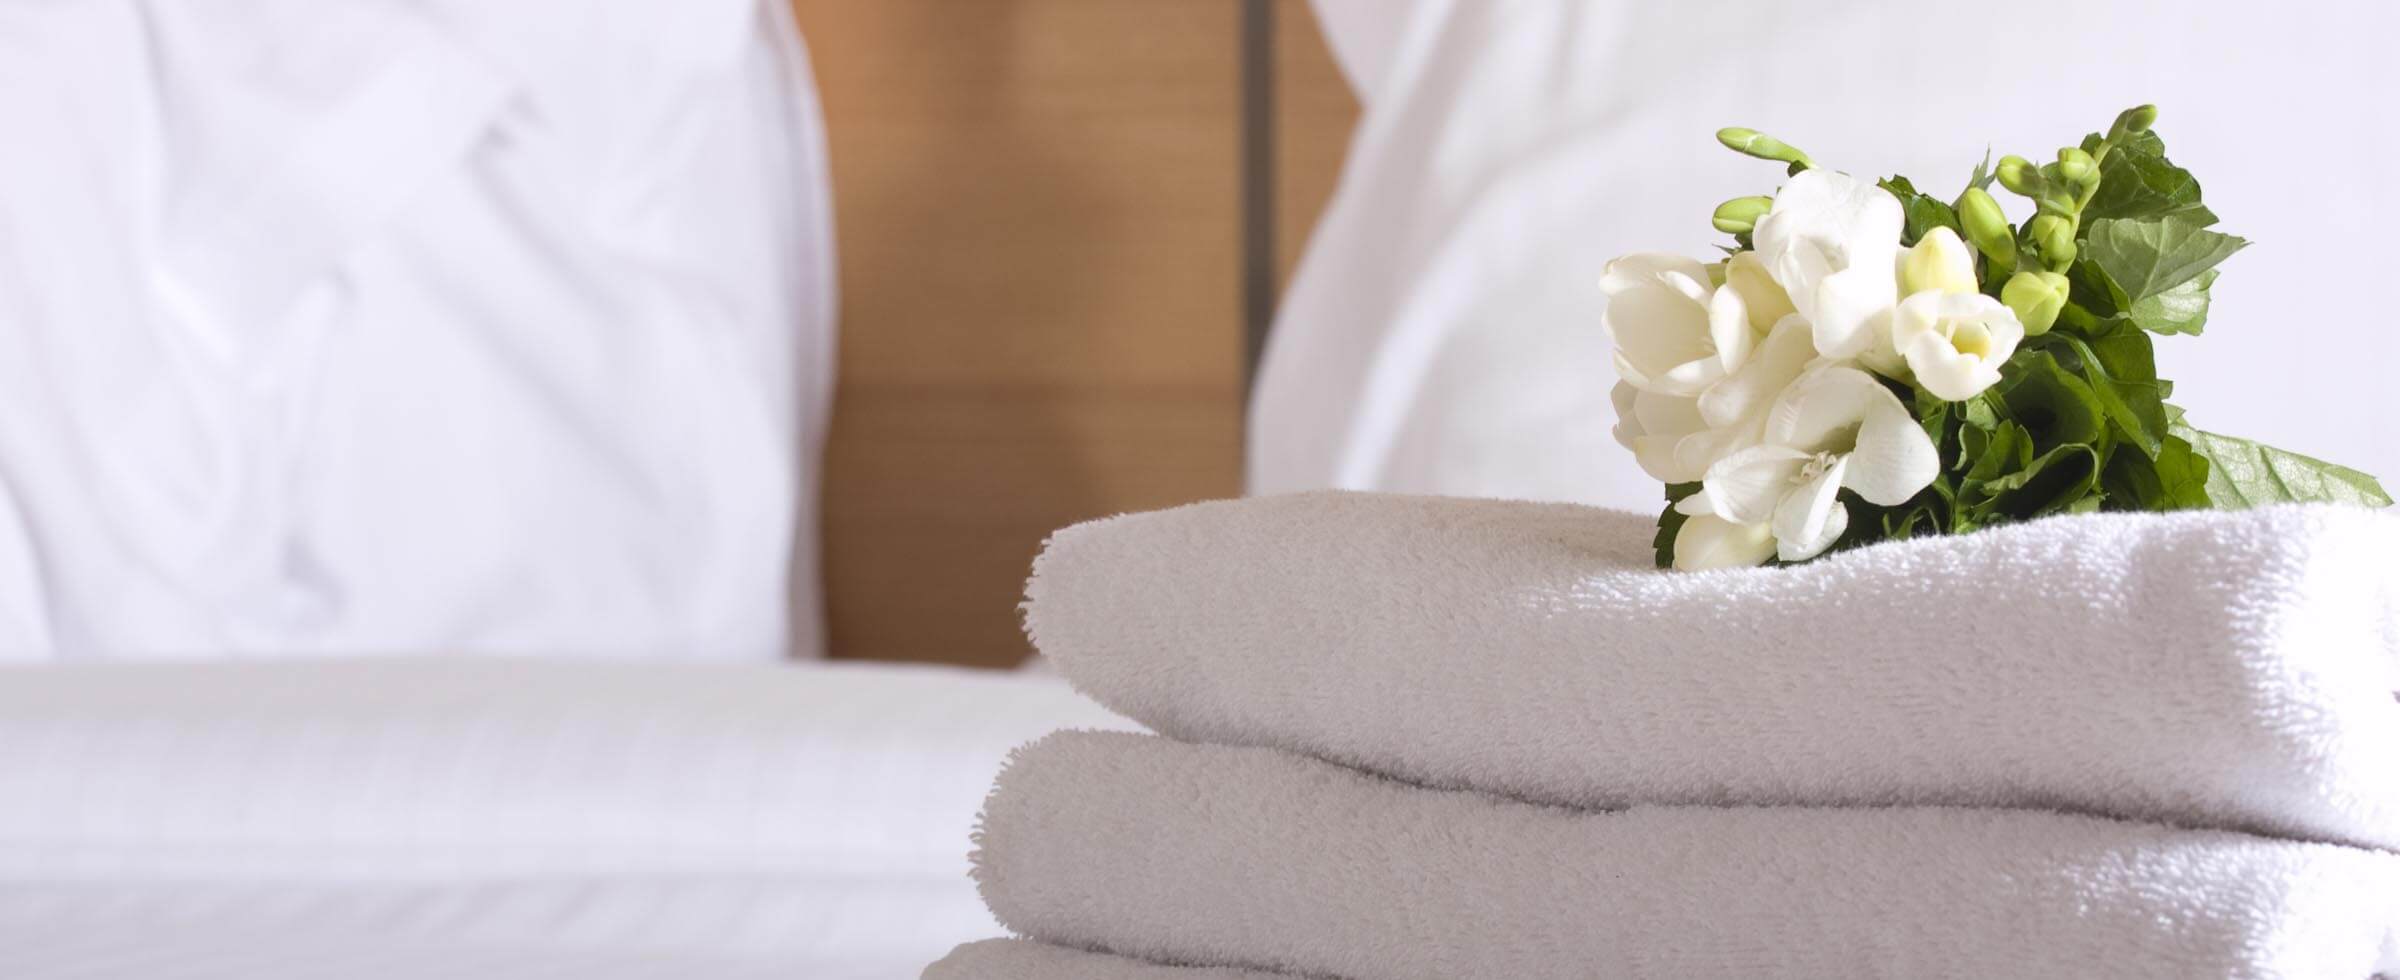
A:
(1443, 331)
(386, 326)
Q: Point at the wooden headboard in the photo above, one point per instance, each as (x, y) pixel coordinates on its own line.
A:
(1040, 208)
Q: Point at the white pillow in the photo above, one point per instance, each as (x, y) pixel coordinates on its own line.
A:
(1443, 332)
(388, 326)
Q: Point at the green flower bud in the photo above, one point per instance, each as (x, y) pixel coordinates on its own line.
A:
(2036, 298)
(2077, 167)
(2020, 175)
(2138, 119)
(1739, 215)
(2054, 237)
(1980, 215)
(1751, 142)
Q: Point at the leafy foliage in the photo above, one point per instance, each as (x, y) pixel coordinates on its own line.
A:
(2080, 420)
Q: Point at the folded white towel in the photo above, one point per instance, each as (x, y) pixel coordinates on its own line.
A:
(1018, 959)
(1259, 859)
(2234, 670)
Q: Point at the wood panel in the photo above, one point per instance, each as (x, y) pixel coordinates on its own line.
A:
(1315, 113)
(1036, 203)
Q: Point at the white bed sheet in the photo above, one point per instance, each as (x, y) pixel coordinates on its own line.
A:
(707, 927)
(449, 818)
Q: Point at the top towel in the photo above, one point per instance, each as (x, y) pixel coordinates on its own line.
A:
(2228, 670)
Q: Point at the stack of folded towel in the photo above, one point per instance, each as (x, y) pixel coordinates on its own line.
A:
(1427, 739)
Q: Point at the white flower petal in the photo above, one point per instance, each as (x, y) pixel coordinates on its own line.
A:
(1778, 361)
(1849, 305)
(1729, 328)
(1658, 330)
(1690, 377)
(1645, 268)
(1745, 487)
(1707, 541)
(1798, 269)
(1660, 429)
(1883, 358)
(1656, 456)
(1940, 262)
(1699, 451)
(1832, 204)
(1671, 415)
(1823, 411)
(1746, 273)
(1629, 426)
(1837, 521)
(1917, 315)
(1948, 374)
(1894, 457)
(1804, 520)
(1665, 459)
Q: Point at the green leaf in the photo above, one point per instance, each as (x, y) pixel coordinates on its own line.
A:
(2183, 309)
(1924, 213)
(2004, 450)
(2054, 482)
(2244, 474)
(2123, 352)
(2055, 407)
(2137, 181)
(1912, 519)
(1977, 412)
(2117, 362)
(2147, 257)
(2090, 288)
(1670, 522)
(2176, 480)
(2010, 483)
(1983, 177)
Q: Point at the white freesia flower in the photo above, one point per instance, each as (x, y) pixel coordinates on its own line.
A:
(1709, 541)
(1674, 330)
(1939, 262)
(1836, 428)
(1832, 241)
(1676, 438)
(1955, 342)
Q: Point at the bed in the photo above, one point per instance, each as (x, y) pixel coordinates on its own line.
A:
(431, 817)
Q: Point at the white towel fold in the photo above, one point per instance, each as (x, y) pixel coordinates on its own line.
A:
(1018, 959)
(1258, 859)
(2234, 670)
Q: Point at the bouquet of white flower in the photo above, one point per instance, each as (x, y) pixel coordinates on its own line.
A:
(1871, 363)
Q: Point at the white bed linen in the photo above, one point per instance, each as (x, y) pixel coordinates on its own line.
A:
(448, 818)
(407, 325)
